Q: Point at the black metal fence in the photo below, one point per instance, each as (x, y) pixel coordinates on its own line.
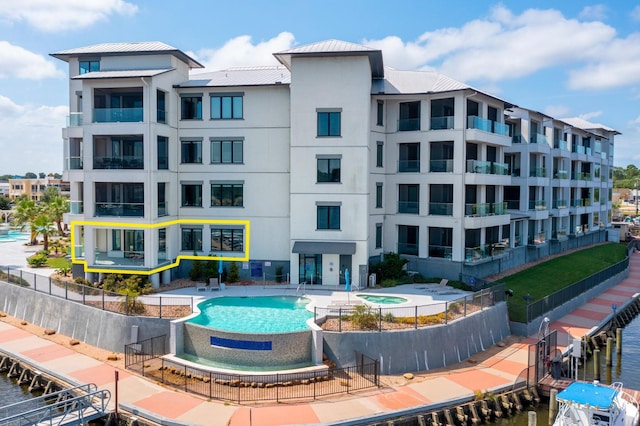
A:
(146, 359)
(144, 306)
(347, 317)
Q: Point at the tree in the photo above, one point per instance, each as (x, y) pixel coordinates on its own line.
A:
(57, 207)
(42, 226)
(30, 175)
(25, 215)
(42, 175)
(5, 203)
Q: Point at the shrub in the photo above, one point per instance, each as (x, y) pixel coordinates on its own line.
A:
(39, 259)
(64, 271)
(455, 307)
(391, 267)
(132, 285)
(233, 276)
(196, 270)
(388, 283)
(364, 318)
(388, 317)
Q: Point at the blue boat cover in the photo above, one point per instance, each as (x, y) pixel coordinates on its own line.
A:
(588, 393)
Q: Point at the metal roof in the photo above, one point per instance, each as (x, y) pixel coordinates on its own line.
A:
(121, 74)
(335, 48)
(583, 124)
(241, 76)
(125, 49)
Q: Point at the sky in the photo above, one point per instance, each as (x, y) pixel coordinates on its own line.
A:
(566, 59)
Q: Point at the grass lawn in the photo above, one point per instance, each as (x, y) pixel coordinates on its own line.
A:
(58, 262)
(548, 277)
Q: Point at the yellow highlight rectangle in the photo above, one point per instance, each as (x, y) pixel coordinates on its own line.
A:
(245, 258)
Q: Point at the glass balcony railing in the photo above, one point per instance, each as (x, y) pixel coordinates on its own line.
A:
(561, 174)
(408, 166)
(122, 162)
(407, 248)
(588, 151)
(538, 138)
(580, 202)
(78, 252)
(408, 124)
(537, 239)
(473, 254)
(517, 139)
(537, 205)
(74, 163)
(477, 166)
(538, 172)
(560, 234)
(581, 176)
(485, 125)
(578, 149)
(441, 209)
(120, 209)
(560, 144)
(437, 166)
(444, 252)
(76, 207)
(441, 123)
(560, 204)
(501, 169)
(411, 207)
(74, 119)
(483, 209)
(499, 208)
(117, 115)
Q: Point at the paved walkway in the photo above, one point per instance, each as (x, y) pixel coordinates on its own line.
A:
(497, 371)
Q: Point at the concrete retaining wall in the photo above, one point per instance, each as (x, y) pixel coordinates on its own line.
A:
(103, 329)
(422, 349)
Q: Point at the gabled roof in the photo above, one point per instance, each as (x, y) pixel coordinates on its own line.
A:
(241, 76)
(334, 48)
(583, 124)
(121, 74)
(124, 49)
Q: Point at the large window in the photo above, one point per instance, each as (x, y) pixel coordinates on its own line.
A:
(191, 239)
(441, 199)
(408, 240)
(442, 112)
(191, 152)
(328, 217)
(227, 239)
(409, 116)
(440, 242)
(89, 66)
(226, 151)
(163, 153)
(191, 195)
(226, 107)
(329, 123)
(328, 170)
(191, 107)
(409, 199)
(226, 194)
(409, 157)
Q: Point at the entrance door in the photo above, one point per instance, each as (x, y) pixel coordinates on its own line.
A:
(345, 263)
(310, 268)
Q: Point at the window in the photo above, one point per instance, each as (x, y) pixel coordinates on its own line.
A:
(227, 239)
(226, 107)
(379, 153)
(163, 153)
(116, 240)
(440, 242)
(191, 152)
(378, 235)
(409, 157)
(191, 195)
(328, 217)
(191, 239)
(441, 199)
(409, 116)
(409, 199)
(89, 66)
(329, 170)
(162, 240)
(226, 151)
(191, 107)
(162, 200)
(226, 194)
(442, 112)
(380, 114)
(379, 195)
(329, 123)
(408, 240)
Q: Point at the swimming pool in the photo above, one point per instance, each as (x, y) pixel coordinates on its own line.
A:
(259, 314)
(382, 300)
(14, 236)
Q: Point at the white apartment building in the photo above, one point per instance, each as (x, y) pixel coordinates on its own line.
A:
(332, 158)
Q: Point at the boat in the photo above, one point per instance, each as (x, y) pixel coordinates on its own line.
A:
(595, 404)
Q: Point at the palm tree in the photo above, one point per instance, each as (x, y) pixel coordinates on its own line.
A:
(57, 207)
(42, 226)
(26, 212)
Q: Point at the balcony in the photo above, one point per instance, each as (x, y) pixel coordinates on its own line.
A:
(560, 204)
(579, 149)
(538, 172)
(513, 204)
(537, 205)
(131, 162)
(581, 176)
(560, 144)
(474, 254)
(123, 258)
(74, 163)
(485, 125)
(517, 139)
(439, 166)
(441, 209)
(117, 115)
(444, 252)
(408, 248)
(76, 207)
(580, 202)
(119, 209)
(561, 174)
(442, 123)
(74, 119)
(501, 169)
(477, 166)
(538, 138)
(408, 124)
(408, 166)
(538, 239)
(560, 235)
(410, 207)
(500, 208)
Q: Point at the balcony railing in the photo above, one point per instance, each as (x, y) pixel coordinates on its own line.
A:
(406, 248)
(581, 176)
(560, 234)
(120, 162)
(517, 139)
(74, 163)
(74, 119)
(120, 209)
(501, 169)
(537, 205)
(537, 239)
(579, 149)
(444, 252)
(408, 124)
(473, 254)
(117, 115)
(411, 207)
(437, 166)
(483, 209)
(76, 207)
(441, 209)
(538, 172)
(441, 123)
(477, 166)
(499, 208)
(560, 204)
(580, 202)
(560, 144)
(408, 166)
(485, 125)
(538, 138)
(561, 174)
(513, 204)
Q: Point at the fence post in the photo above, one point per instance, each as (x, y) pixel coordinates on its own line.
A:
(186, 380)
(84, 294)
(339, 320)
(126, 304)
(102, 290)
(416, 316)
(66, 290)
(379, 321)
(160, 306)
(49, 284)
(446, 312)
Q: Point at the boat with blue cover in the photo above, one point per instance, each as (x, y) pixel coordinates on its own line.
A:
(595, 404)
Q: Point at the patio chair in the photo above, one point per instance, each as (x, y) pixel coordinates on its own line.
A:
(213, 284)
(201, 287)
(443, 283)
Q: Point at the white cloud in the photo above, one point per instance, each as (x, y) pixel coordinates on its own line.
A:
(590, 115)
(597, 12)
(240, 51)
(558, 111)
(18, 62)
(63, 15)
(31, 137)
(635, 13)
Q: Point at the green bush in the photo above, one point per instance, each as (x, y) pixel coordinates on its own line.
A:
(233, 275)
(132, 285)
(388, 317)
(455, 307)
(391, 267)
(196, 272)
(388, 283)
(38, 259)
(64, 271)
(364, 318)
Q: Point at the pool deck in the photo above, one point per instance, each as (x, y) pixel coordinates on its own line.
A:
(398, 395)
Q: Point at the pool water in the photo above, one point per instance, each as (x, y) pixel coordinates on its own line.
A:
(259, 314)
(14, 236)
(382, 300)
